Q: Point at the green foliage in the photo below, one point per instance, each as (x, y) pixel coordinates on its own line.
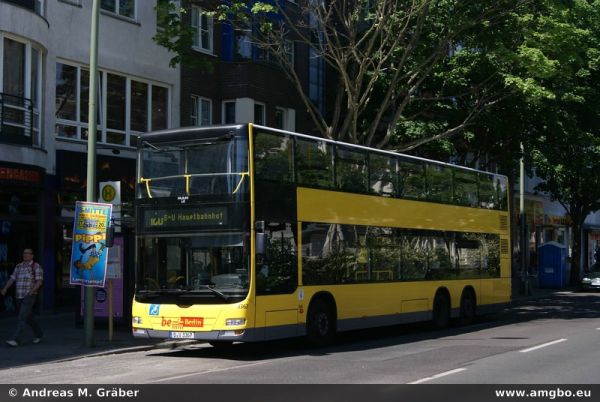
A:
(176, 36)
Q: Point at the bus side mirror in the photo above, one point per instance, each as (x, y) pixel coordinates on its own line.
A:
(261, 244)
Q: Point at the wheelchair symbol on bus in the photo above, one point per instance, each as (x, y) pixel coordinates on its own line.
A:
(154, 308)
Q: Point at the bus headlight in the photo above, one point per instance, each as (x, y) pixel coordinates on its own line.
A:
(586, 280)
(235, 322)
(136, 320)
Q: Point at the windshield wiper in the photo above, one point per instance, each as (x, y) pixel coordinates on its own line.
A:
(215, 291)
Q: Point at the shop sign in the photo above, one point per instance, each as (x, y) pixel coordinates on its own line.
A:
(20, 174)
(89, 253)
(559, 220)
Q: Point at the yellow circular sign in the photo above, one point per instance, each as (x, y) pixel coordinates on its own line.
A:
(108, 193)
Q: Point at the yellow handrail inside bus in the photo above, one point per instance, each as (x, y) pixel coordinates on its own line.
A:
(187, 183)
(147, 181)
(243, 174)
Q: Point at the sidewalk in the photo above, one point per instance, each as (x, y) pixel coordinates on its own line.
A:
(534, 291)
(63, 340)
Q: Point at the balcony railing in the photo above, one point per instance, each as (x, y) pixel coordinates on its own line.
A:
(33, 5)
(16, 120)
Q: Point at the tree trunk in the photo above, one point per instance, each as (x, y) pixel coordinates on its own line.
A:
(576, 252)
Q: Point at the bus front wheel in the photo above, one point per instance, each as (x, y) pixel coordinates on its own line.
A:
(320, 325)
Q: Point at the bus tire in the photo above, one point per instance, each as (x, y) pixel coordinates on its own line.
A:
(320, 324)
(441, 310)
(468, 307)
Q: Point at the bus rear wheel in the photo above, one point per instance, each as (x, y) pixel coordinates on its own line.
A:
(320, 325)
(468, 306)
(441, 311)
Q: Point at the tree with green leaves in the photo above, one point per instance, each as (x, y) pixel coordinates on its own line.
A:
(381, 58)
(551, 66)
(564, 37)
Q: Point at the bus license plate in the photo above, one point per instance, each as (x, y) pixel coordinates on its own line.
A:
(182, 335)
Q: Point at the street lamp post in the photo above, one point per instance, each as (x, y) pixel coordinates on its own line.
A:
(91, 158)
(523, 225)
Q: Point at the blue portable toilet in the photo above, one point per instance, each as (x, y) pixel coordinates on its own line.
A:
(552, 266)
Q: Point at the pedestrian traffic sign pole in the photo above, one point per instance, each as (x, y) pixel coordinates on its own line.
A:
(110, 193)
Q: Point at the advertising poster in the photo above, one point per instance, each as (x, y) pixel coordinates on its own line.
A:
(90, 255)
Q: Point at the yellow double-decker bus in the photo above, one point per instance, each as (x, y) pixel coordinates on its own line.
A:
(247, 233)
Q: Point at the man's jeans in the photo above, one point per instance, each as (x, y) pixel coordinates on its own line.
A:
(25, 318)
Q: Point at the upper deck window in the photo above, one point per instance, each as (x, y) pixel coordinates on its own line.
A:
(204, 167)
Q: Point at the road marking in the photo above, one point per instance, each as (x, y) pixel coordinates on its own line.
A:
(433, 377)
(176, 377)
(543, 345)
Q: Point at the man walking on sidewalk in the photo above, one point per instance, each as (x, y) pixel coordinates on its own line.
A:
(28, 275)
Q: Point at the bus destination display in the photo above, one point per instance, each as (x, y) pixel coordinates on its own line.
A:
(158, 219)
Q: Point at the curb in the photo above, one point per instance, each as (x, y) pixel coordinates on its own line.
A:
(129, 349)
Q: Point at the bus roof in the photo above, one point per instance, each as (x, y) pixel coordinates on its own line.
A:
(382, 151)
(191, 133)
(194, 132)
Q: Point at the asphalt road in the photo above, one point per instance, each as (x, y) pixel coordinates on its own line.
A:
(547, 341)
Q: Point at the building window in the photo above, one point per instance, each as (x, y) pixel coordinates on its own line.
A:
(243, 45)
(259, 114)
(139, 106)
(20, 92)
(316, 79)
(290, 50)
(125, 8)
(164, 8)
(203, 30)
(284, 119)
(201, 111)
(131, 105)
(279, 118)
(229, 112)
(159, 107)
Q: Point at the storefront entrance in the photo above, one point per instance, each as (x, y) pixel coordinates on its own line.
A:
(21, 220)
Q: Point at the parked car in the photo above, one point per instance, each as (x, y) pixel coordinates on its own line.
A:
(591, 280)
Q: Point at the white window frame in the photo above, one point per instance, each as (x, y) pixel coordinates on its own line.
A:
(196, 117)
(71, 2)
(40, 4)
(37, 109)
(198, 28)
(101, 126)
(117, 7)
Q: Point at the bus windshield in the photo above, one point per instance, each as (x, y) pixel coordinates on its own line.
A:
(212, 266)
(215, 166)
